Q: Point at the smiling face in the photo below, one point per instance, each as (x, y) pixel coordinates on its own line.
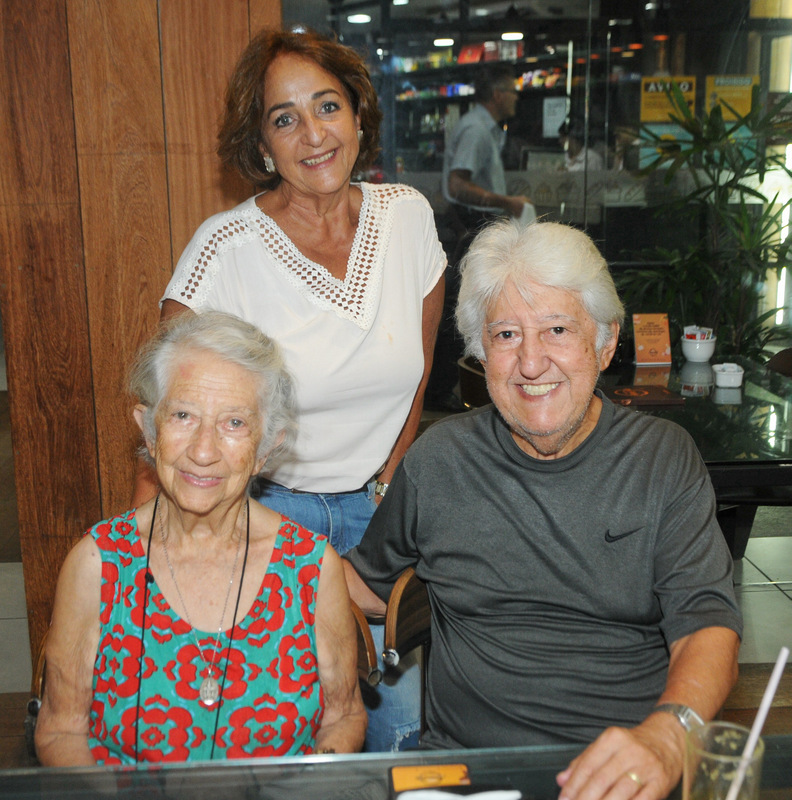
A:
(541, 367)
(208, 431)
(309, 126)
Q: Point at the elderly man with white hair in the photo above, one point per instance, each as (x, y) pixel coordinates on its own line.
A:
(581, 589)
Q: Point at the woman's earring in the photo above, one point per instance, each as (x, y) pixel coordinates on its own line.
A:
(269, 164)
(359, 134)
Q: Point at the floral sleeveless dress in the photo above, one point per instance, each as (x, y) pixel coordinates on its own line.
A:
(271, 703)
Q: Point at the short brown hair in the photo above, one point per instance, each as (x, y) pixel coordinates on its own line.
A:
(240, 131)
(488, 78)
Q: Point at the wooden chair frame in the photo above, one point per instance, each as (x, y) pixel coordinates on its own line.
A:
(408, 624)
(368, 666)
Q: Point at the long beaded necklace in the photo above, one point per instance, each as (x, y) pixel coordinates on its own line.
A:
(150, 579)
(210, 688)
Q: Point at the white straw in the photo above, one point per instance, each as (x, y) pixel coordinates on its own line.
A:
(759, 722)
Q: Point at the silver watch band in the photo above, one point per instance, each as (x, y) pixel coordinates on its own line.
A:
(687, 717)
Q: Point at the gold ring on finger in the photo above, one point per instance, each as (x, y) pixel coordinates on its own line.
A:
(633, 777)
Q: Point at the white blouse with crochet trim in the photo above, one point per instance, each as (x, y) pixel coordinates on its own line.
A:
(354, 347)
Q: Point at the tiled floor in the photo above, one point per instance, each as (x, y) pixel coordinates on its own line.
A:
(764, 585)
(15, 662)
(763, 579)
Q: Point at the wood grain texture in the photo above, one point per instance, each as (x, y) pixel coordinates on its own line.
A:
(36, 122)
(13, 749)
(265, 14)
(124, 204)
(42, 290)
(49, 380)
(127, 258)
(114, 51)
(106, 170)
(201, 42)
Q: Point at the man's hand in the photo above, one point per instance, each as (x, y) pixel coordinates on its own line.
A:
(514, 205)
(644, 762)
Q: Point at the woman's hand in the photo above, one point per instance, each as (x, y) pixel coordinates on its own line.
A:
(63, 721)
(344, 722)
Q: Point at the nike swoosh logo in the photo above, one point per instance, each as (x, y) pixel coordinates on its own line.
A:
(609, 537)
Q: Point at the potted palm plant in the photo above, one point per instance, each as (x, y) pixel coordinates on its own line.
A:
(717, 169)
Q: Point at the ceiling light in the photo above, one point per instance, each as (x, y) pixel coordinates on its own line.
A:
(481, 12)
(443, 42)
(358, 19)
(401, 2)
(512, 36)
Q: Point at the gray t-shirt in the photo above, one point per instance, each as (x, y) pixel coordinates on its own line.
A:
(556, 586)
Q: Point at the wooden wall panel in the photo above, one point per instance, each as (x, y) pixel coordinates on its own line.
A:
(124, 202)
(105, 171)
(43, 299)
(265, 14)
(201, 42)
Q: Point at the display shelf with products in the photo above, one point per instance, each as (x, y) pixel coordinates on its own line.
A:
(429, 100)
(429, 103)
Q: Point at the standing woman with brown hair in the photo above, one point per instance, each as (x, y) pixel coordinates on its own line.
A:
(347, 277)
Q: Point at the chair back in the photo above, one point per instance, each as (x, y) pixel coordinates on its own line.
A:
(408, 617)
(368, 668)
(781, 362)
(472, 383)
(36, 696)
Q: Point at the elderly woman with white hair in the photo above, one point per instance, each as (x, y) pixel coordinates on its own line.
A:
(201, 625)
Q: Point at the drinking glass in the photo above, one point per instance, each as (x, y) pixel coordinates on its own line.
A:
(712, 757)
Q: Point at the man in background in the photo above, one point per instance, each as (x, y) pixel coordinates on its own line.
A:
(474, 183)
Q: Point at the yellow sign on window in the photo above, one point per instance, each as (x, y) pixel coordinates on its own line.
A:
(734, 89)
(654, 100)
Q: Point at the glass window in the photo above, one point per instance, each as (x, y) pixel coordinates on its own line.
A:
(600, 137)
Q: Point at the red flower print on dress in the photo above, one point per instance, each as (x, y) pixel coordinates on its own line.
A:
(164, 733)
(102, 755)
(295, 668)
(107, 593)
(104, 537)
(164, 624)
(136, 596)
(127, 648)
(276, 603)
(308, 578)
(305, 542)
(263, 732)
(236, 682)
(191, 668)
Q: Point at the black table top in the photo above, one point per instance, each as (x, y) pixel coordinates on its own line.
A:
(531, 770)
(746, 427)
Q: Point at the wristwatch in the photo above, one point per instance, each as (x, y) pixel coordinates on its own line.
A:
(380, 488)
(687, 717)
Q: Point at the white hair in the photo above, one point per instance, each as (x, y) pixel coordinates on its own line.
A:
(545, 253)
(233, 340)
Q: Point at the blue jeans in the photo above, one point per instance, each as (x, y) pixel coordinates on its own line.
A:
(394, 707)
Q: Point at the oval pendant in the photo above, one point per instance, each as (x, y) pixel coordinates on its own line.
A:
(210, 691)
